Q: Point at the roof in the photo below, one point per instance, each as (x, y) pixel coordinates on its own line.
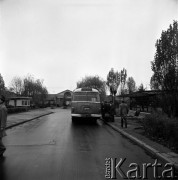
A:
(85, 90)
(144, 93)
(20, 97)
(61, 94)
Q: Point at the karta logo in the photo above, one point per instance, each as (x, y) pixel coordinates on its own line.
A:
(114, 169)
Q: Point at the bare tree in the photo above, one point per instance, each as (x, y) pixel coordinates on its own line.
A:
(16, 85)
(29, 87)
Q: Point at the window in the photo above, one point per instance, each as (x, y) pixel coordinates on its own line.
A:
(86, 96)
(25, 102)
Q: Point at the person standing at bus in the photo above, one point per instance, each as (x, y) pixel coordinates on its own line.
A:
(123, 113)
(3, 120)
(112, 111)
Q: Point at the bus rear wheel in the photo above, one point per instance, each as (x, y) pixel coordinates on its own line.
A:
(73, 119)
(94, 120)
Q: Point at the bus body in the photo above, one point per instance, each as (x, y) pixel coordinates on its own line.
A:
(85, 104)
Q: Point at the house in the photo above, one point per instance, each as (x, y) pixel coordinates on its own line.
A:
(61, 99)
(64, 98)
(19, 101)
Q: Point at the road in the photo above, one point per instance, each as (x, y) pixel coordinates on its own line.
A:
(53, 148)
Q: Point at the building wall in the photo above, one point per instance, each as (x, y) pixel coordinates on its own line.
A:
(25, 102)
(12, 103)
(19, 102)
(59, 98)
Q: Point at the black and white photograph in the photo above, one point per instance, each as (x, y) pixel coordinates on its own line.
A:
(88, 89)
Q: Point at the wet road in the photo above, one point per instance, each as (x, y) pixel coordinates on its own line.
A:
(53, 148)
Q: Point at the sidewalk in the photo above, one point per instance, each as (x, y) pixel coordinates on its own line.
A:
(20, 118)
(134, 132)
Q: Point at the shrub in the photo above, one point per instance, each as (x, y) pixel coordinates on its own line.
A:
(160, 126)
(16, 109)
(137, 112)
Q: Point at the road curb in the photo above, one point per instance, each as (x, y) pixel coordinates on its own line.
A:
(149, 149)
(22, 122)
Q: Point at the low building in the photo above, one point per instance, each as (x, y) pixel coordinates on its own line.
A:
(143, 100)
(19, 101)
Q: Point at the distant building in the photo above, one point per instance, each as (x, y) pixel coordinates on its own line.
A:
(61, 99)
(64, 98)
(50, 99)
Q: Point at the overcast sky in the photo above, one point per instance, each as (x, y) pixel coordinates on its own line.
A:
(62, 41)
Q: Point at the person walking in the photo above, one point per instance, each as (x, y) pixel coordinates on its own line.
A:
(3, 120)
(123, 113)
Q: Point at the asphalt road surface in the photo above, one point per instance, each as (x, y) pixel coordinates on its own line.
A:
(53, 148)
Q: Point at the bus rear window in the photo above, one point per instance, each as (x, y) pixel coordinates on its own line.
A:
(86, 96)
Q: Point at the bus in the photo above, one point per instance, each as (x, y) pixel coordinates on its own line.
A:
(85, 104)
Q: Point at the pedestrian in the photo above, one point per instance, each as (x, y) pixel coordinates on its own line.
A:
(123, 113)
(3, 120)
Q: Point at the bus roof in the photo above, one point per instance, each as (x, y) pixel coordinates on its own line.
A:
(85, 90)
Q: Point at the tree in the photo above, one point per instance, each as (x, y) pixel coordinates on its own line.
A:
(94, 82)
(113, 81)
(39, 92)
(123, 75)
(30, 87)
(2, 85)
(16, 85)
(154, 85)
(165, 65)
(141, 88)
(131, 85)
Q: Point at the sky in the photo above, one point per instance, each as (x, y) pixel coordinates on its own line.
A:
(62, 41)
